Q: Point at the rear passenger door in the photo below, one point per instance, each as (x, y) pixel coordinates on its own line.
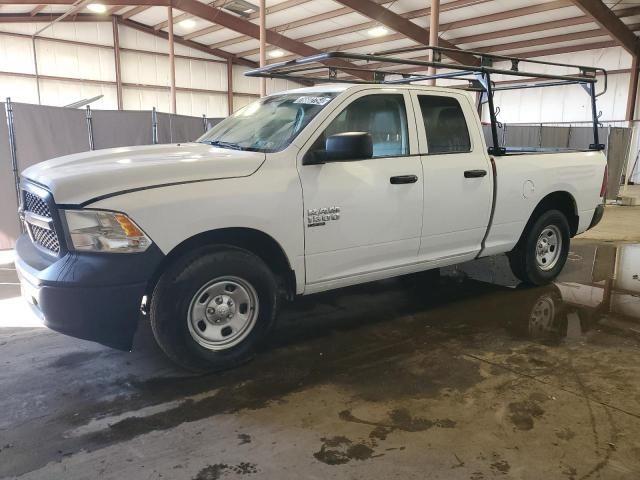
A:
(457, 176)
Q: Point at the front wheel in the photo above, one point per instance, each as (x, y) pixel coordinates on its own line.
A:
(542, 252)
(211, 309)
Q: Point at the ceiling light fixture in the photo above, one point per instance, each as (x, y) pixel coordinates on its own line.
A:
(187, 23)
(379, 31)
(97, 7)
(276, 53)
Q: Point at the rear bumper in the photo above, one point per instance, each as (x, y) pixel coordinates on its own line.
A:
(597, 216)
(91, 296)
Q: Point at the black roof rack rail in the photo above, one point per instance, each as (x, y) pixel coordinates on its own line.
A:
(390, 68)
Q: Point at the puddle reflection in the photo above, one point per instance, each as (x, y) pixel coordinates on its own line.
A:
(599, 288)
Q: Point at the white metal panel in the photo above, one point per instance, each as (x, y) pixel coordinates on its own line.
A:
(130, 38)
(16, 55)
(244, 84)
(241, 101)
(64, 92)
(75, 61)
(217, 36)
(531, 36)
(197, 104)
(154, 15)
(144, 68)
(327, 25)
(569, 103)
(200, 74)
(519, 21)
(19, 89)
(145, 99)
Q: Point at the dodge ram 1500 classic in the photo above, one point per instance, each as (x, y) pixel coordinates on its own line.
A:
(299, 192)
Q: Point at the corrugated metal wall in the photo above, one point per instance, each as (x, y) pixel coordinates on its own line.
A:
(90, 71)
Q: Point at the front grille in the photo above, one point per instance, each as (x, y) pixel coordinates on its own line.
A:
(41, 228)
(35, 204)
(45, 238)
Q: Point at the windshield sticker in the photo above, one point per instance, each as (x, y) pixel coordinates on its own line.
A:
(313, 100)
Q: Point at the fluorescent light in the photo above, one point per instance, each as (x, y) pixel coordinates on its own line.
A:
(249, 10)
(378, 31)
(97, 7)
(187, 23)
(276, 53)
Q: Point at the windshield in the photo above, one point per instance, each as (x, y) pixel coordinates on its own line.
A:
(268, 124)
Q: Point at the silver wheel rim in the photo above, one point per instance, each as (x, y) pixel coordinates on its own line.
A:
(542, 315)
(222, 313)
(548, 247)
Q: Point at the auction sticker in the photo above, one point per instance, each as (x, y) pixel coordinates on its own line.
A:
(313, 100)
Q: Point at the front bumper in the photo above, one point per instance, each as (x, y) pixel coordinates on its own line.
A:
(93, 296)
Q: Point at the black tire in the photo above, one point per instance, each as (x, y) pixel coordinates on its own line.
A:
(522, 258)
(172, 300)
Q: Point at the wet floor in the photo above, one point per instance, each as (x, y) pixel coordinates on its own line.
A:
(470, 377)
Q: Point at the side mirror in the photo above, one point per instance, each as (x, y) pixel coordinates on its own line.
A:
(349, 146)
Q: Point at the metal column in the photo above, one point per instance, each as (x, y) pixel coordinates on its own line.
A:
(229, 86)
(12, 148)
(633, 90)
(263, 45)
(154, 126)
(434, 27)
(116, 58)
(172, 60)
(90, 127)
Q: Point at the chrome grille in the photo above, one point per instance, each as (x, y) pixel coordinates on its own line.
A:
(33, 203)
(39, 222)
(45, 238)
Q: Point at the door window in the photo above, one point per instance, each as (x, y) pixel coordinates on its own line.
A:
(384, 117)
(445, 125)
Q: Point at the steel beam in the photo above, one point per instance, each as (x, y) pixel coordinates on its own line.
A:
(477, 20)
(272, 9)
(608, 21)
(134, 11)
(197, 46)
(404, 26)
(245, 27)
(37, 9)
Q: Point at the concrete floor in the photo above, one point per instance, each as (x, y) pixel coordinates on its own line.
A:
(468, 379)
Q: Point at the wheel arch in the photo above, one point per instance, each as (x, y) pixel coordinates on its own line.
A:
(255, 241)
(559, 200)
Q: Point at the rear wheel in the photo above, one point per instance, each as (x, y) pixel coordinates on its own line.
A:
(542, 252)
(211, 310)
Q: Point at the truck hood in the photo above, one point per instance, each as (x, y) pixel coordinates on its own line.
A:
(83, 177)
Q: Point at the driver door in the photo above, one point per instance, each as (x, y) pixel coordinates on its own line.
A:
(363, 218)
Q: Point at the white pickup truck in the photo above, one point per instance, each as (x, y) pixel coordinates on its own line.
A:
(300, 192)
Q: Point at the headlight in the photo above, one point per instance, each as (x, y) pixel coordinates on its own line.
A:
(101, 231)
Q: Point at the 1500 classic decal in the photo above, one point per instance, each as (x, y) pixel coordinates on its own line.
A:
(316, 217)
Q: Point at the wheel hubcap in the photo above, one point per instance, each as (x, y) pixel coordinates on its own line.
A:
(548, 247)
(542, 315)
(222, 313)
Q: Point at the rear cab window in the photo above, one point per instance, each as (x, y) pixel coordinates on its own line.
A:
(445, 124)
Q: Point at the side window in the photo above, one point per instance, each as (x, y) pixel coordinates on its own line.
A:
(383, 116)
(445, 125)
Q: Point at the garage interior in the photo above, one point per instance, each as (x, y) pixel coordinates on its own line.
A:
(467, 376)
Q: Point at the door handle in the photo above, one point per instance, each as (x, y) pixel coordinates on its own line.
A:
(474, 173)
(403, 179)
